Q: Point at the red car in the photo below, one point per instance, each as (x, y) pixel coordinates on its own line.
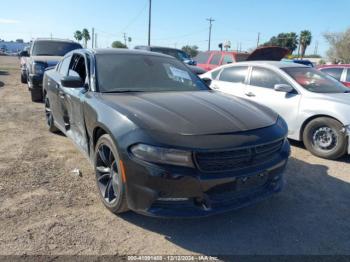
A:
(339, 72)
(212, 59)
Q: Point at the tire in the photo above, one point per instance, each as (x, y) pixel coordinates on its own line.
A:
(324, 138)
(49, 117)
(36, 95)
(110, 185)
(23, 78)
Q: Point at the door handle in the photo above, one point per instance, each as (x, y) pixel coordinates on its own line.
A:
(250, 94)
(61, 94)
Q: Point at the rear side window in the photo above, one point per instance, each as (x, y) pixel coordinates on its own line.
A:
(202, 58)
(334, 72)
(215, 59)
(228, 59)
(234, 74)
(263, 77)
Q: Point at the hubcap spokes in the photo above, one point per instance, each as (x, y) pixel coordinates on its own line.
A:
(48, 112)
(107, 174)
(325, 138)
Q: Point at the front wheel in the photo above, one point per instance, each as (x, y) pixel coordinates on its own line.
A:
(325, 138)
(23, 78)
(109, 180)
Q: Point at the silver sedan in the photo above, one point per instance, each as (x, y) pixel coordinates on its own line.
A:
(315, 106)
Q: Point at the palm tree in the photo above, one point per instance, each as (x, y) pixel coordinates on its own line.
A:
(305, 41)
(86, 36)
(78, 35)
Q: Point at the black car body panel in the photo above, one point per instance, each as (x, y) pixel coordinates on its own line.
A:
(232, 141)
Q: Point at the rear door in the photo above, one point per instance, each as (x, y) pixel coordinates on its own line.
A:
(260, 89)
(56, 91)
(232, 80)
(335, 72)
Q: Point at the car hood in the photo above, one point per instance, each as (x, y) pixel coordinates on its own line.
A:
(342, 98)
(49, 60)
(271, 53)
(191, 113)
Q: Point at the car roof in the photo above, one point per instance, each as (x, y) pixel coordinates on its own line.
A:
(122, 51)
(277, 64)
(54, 40)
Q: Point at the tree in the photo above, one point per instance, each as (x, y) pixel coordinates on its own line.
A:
(118, 44)
(339, 43)
(305, 41)
(191, 50)
(286, 40)
(86, 36)
(78, 35)
(19, 41)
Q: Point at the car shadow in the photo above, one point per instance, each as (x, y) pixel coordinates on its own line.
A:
(299, 144)
(310, 216)
(1, 84)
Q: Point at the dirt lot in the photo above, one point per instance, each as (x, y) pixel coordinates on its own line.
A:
(44, 209)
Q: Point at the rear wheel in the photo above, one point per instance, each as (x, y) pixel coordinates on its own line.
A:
(49, 117)
(324, 138)
(36, 95)
(109, 180)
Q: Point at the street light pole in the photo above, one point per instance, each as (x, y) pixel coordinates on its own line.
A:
(149, 22)
(210, 25)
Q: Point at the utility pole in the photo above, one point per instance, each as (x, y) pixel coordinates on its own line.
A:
(258, 41)
(299, 48)
(149, 22)
(92, 37)
(211, 20)
(316, 48)
(124, 34)
(95, 40)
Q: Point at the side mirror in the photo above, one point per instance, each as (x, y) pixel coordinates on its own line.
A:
(72, 81)
(24, 54)
(283, 88)
(207, 81)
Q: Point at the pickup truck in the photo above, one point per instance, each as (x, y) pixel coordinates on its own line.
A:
(43, 54)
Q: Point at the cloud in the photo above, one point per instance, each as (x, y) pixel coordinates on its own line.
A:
(8, 21)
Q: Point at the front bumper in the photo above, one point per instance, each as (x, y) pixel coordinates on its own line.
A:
(35, 81)
(165, 191)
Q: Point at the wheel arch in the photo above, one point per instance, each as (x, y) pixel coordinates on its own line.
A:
(308, 120)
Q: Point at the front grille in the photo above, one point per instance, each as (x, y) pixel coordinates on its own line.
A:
(238, 158)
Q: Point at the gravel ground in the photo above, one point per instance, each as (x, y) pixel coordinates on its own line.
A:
(46, 210)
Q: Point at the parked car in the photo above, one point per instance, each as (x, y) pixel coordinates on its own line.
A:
(43, 53)
(339, 72)
(213, 59)
(177, 53)
(314, 105)
(161, 142)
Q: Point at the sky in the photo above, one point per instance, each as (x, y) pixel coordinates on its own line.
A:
(175, 23)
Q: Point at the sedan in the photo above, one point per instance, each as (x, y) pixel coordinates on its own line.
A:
(161, 142)
(315, 105)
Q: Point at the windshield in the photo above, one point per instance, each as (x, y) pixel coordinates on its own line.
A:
(52, 48)
(144, 73)
(315, 81)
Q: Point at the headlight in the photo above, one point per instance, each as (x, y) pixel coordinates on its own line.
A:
(282, 124)
(39, 68)
(162, 155)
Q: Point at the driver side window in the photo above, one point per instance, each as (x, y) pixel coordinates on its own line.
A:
(78, 67)
(63, 70)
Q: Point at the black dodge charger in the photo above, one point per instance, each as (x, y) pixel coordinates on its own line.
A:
(161, 142)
